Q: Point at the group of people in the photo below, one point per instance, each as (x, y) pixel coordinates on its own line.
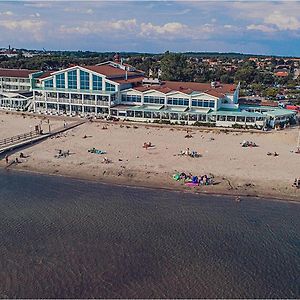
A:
(248, 144)
(274, 154)
(196, 180)
(190, 153)
(16, 160)
(297, 183)
(147, 145)
(106, 160)
(62, 153)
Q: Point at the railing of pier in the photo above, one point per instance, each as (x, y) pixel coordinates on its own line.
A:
(18, 138)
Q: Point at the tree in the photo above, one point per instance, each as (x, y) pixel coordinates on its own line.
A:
(173, 67)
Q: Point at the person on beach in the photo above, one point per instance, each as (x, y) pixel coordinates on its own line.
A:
(6, 159)
(65, 124)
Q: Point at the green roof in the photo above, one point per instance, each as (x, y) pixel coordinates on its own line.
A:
(280, 112)
(235, 113)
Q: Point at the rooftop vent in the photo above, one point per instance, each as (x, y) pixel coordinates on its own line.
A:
(151, 81)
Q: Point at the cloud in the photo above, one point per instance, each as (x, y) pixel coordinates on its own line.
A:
(6, 13)
(282, 21)
(148, 29)
(88, 11)
(102, 26)
(261, 27)
(32, 28)
(282, 15)
(35, 15)
(38, 4)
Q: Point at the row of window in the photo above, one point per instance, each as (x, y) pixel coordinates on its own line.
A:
(84, 82)
(75, 96)
(178, 101)
(8, 79)
(131, 98)
(170, 101)
(154, 100)
(190, 117)
(203, 103)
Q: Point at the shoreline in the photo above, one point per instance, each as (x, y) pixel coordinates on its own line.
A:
(177, 188)
(237, 170)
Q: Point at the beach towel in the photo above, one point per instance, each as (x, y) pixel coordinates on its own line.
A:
(176, 177)
(191, 183)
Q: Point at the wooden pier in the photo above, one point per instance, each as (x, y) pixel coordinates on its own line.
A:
(29, 138)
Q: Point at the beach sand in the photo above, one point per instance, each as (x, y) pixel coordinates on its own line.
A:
(237, 170)
(12, 124)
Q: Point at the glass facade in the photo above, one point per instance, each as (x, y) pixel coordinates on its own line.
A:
(203, 103)
(131, 98)
(178, 101)
(49, 83)
(72, 79)
(154, 100)
(84, 80)
(110, 87)
(97, 83)
(60, 81)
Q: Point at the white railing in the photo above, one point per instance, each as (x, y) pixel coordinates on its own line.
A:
(102, 103)
(63, 100)
(51, 99)
(76, 101)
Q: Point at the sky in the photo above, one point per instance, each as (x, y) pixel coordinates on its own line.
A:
(258, 27)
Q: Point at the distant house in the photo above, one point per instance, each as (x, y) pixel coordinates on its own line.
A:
(281, 73)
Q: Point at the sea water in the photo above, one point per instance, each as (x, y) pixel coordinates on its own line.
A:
(65, 238)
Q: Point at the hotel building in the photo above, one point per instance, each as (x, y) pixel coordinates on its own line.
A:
(15, 88)
(119, 90)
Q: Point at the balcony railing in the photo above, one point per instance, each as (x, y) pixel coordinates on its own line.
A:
(76, 101)
(63, 100)
(102, 103)
(51, 99)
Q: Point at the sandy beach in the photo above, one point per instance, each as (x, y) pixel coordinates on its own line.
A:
(237, 170)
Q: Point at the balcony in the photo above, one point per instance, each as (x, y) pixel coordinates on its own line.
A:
(63, 100)
(76, 101)
(51, 99)
(39, 98)
(102, 103)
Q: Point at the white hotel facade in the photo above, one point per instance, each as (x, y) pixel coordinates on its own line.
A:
(119, 90)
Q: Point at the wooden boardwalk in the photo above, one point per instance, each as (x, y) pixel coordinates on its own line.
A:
(22, 140)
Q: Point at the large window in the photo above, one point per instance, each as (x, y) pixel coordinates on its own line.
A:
(203, 103)
(49, 83)
(60, 81)
(72, 80)
(154, 100)
(131, 98)
(97, 83)
(84, 80)
(110, 87)
(178, 101)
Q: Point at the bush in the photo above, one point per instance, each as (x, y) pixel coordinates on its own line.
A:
(165, 122)
(237, 126)
(197, 123)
